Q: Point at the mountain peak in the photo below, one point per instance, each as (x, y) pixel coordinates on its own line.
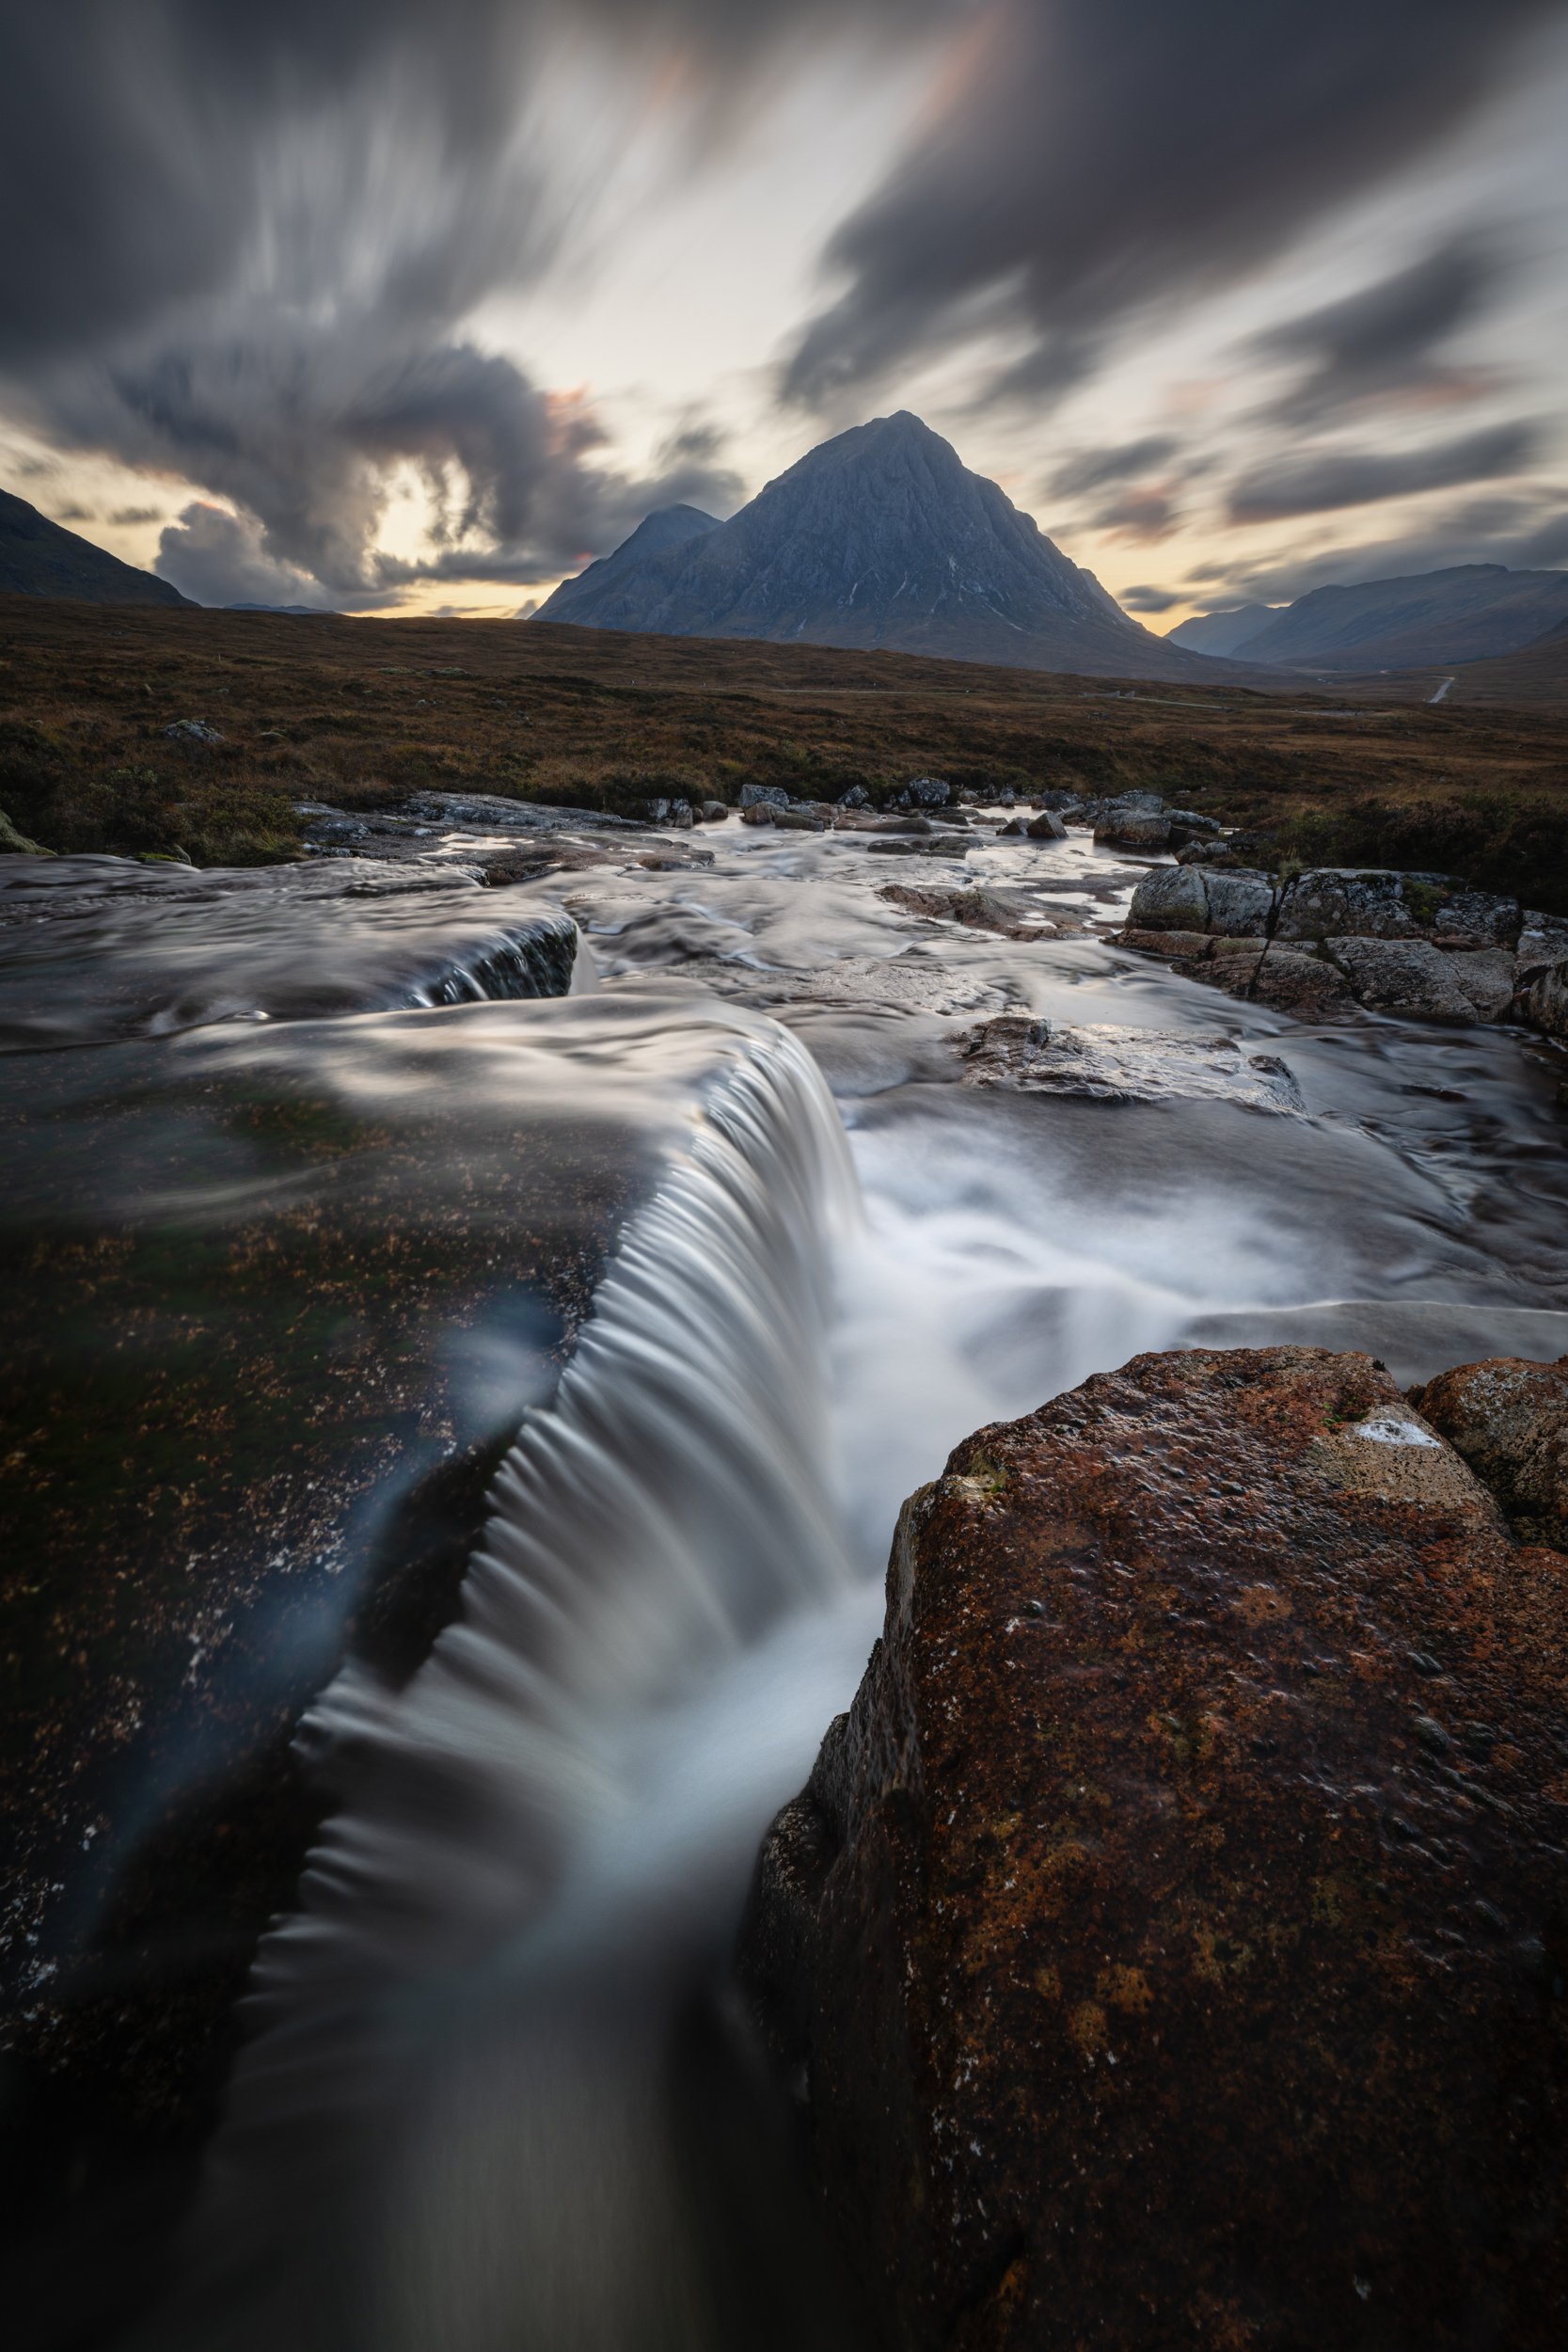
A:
(878, 537)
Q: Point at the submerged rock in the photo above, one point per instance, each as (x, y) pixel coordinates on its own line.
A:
(1508, 1418)
(977, 909)
(1169, 1950)
(1110, 1064)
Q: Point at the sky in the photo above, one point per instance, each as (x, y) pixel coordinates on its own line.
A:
(418, 305)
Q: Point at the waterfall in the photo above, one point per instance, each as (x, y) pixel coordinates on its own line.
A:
(452, 2123)
(532, 957)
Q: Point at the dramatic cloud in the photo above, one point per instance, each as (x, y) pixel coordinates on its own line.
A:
(1382, 339)
(1141, 513)
(1147, 599)
(1092, 469)
(1337, 478)
(215, 557)
(255, 235)
(1091, 156)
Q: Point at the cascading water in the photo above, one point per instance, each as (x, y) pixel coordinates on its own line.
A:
(493, 2101)
(455, 2124)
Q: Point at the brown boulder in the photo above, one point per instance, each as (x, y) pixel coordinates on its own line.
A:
(1508, 1418)
(1169, 1947)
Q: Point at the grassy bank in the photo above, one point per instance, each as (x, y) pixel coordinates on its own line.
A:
(362, 713)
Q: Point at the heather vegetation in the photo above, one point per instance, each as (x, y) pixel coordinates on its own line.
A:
(361, 713)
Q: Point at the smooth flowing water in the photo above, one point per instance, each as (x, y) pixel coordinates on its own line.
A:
(496, 2095)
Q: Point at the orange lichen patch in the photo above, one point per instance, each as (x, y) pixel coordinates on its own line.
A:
(1086, 2026)
(1125, 1988)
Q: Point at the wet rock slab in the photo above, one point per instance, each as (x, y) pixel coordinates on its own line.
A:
(1169, 1948)
(1108, 1063)
(273, 1301)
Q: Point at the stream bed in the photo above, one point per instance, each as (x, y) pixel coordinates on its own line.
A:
(703, 1268)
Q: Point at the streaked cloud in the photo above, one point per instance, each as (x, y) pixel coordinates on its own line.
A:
(1339, 478)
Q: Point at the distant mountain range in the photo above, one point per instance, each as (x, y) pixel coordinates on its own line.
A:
(1472, 613)
(879, 538)
(39, 558)
(1222, 633)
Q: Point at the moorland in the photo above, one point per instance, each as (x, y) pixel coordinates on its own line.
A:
(361, 712)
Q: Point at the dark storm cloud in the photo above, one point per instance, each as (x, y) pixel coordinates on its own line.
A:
(1148, 599)
(1094, 155)
(242, 240)
(1384, 339)
(1338, 478)
(1092, 469)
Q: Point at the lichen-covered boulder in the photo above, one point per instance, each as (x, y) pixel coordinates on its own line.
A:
(1337, 903)
(1230, 904)
(1240, 904)
(1169, 1948)
(1543, 941)
(1508, 1418)
(1404, 975)
(1478, 917)
(1341, 901)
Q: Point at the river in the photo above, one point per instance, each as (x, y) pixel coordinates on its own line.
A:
(497, 2094)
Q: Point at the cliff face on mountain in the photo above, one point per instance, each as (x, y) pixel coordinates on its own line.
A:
(880, 537)
(39, 558)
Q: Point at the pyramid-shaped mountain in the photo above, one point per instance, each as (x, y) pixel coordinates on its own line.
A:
(880, 537)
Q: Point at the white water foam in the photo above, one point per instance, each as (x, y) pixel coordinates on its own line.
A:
(452, 2126)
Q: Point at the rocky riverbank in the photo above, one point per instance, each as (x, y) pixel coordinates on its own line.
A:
(1322, 942)
(1168, 1948)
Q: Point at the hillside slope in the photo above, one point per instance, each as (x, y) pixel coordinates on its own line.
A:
(39, 558)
